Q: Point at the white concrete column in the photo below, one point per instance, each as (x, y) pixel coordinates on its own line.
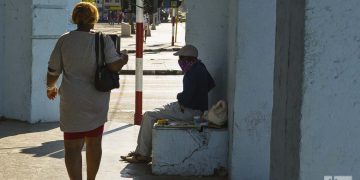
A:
(16, 64)
(2, 40)
(253, 91)
(331, 102)
(49, 22)
(25, 56)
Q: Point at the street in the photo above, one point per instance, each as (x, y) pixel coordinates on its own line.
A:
(157, 91)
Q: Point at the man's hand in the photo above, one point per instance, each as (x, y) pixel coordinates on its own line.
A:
(52, 92)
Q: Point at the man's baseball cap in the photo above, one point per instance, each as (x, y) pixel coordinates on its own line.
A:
(187, 50)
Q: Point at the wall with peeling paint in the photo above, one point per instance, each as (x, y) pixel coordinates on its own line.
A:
(50, 20)
(17, 60)
(26, 55)
(330, 127)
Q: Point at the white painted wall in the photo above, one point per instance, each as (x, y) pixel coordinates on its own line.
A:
(16, 69)
(50, 20)
(331, 105)
(207, 28)
(242, 44)
(25, 56)
(233, 55)
(2, 21)
(253, 89)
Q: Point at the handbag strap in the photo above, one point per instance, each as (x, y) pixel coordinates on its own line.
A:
(100, 45)
(97, 48)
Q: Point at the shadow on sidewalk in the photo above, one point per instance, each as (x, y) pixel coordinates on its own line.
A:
(143, 172)
(15, 127)
(136, 171)
(54, 149)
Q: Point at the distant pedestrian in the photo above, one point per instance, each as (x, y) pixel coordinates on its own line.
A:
(192, 101)
(120, 17)
(146, 26)
(83, 109)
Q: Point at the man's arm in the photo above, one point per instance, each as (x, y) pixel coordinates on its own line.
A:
(192, 81)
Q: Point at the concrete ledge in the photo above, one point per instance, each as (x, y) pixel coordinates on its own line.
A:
(156, 50)
(153, 72)
(189, 152)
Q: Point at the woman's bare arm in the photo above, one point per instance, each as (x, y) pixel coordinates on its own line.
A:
(117, 65)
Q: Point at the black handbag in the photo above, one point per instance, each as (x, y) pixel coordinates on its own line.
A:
(105, 80)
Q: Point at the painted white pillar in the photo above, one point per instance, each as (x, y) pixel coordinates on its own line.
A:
(331, 102)
(49, 22)
(16, 64)
(26, 56)
(2, 40)
(253, 91)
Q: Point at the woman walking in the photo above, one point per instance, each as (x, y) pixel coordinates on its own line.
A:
(83, 109)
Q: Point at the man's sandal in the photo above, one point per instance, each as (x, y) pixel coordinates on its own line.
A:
(132, 153)
(138, 159)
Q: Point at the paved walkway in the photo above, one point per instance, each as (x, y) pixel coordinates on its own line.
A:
(35, 151)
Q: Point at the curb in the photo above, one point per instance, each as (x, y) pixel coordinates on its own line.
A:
(157, 50)
(152, 72)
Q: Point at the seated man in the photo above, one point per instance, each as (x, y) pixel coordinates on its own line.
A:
(192, 101)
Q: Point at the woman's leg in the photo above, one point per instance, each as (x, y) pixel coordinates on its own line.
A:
(93, 155)
(73, 159)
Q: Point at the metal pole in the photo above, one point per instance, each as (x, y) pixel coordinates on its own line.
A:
(158, 17)
(139, 61)
(173, 26)
(176, 21)
(103, 9)
(153, 27)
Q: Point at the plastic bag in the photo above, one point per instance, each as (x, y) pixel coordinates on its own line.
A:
(217, 113)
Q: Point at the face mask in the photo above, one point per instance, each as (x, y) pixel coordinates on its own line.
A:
(185, 65)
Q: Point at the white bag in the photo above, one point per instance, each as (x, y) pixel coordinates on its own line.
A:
(217, 113)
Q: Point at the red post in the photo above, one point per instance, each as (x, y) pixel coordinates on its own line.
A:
(139, 61)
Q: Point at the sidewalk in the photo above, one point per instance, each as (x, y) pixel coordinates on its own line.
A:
(158, 58)
(160, 39)
(35, 152)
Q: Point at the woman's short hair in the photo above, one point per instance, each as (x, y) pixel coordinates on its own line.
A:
(85, 13)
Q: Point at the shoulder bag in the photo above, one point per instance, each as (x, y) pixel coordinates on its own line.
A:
(105, 80)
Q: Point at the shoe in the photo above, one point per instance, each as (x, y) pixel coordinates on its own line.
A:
(132, 153)
(138, 159)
